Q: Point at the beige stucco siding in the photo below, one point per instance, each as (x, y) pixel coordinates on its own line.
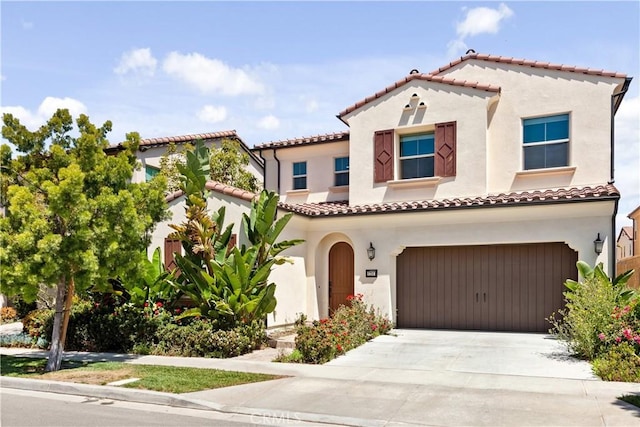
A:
(320, 172)
(576, 224)
(532, 92)
(444, 103)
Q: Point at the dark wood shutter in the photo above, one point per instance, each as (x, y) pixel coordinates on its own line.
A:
(171, 246)
(445, 156)
(383, 154)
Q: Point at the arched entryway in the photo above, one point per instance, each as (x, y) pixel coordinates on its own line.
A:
(341, 274)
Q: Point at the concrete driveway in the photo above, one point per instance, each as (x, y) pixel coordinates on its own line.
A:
(499, 353)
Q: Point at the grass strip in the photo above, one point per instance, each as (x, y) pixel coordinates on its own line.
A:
(169, 379)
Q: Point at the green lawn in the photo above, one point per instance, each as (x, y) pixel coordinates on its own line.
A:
(168, 379)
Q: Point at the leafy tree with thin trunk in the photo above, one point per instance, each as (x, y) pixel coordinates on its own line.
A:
(73, 219)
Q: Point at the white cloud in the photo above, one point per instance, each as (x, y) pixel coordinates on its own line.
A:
(210, 75)
(311, 106)
(269, 123)
(212, 114)
(137, 61)
(478, 20)
(481, 20)
(33, 120)
(26, 25)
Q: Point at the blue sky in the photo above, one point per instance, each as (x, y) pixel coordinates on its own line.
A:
(278, 70)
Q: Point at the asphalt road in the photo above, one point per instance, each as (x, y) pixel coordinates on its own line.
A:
(37, 409)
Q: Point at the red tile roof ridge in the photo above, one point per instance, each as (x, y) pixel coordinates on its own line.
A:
(185, 138)
(218, 187)
(528, 63)
(502, 199)
(305, 140)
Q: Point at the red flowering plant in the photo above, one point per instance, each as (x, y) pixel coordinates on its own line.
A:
(625, 327)
(350, 326)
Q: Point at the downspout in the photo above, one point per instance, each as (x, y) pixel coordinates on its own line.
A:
(278, 168)
(264, 170)
(616, 99)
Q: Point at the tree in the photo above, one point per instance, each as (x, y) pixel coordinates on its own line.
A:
(227, 165)
(73, 219)
(227, 284)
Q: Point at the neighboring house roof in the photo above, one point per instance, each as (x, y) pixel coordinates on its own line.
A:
(528, 63)
(628, 231)
(561, 195)
(147, 143)
(307, 140)
(219, 188)
(419, 76)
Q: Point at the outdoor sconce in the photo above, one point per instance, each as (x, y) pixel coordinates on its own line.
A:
(371, 251)
(597, 245)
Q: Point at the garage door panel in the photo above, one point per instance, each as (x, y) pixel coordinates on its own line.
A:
(499, 287)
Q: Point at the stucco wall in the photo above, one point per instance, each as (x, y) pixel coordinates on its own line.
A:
(444, 103)
(575, 224)
(530, 92)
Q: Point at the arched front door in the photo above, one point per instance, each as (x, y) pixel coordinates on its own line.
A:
(340, 274)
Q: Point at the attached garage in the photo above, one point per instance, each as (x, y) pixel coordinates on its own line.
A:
(511, 287)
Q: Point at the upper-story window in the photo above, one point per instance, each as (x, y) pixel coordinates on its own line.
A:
(150, 172)
(300, 175)
(546, 142)
(341, 171)
(417, 155)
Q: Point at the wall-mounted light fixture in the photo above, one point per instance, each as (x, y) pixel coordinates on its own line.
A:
(371, 251)
(597, 245)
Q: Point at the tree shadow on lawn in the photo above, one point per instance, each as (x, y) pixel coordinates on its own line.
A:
(80, 356)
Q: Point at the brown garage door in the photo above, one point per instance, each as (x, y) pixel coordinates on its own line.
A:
(493, 288)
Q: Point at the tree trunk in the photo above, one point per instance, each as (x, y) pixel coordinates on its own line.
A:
(71, 290)
(57, 346)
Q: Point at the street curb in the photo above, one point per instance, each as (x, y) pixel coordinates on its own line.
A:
(106, 392)
(170, 399)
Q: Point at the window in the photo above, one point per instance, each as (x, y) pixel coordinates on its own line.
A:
(300, 175)
(150, 172)
(546, 142)
(417, 156)
(341, 169)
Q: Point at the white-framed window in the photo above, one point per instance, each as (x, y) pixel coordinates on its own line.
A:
(341, 171)
(417, 155)
(546, 141)
(300, 175)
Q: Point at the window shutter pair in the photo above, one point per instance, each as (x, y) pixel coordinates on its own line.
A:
(445, 152)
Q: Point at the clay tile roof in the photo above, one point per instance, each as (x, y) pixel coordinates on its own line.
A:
(219, 188)
(529, 63)
(152, 142)
(425, 77)
(307, 140)
(561, 195)
(180, 139)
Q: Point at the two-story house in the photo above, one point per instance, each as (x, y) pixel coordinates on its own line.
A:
(460, 198)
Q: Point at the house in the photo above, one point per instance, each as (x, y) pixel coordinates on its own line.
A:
(624, 243)
(630, 244)
(151, 151)
(459, 198)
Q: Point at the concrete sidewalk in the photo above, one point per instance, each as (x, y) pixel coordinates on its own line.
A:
(359, 390)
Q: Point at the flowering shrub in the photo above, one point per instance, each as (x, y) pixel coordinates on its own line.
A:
(601, 322)
(8, 314)
(350, 326)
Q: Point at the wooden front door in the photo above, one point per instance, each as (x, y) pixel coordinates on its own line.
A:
(341, 274)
